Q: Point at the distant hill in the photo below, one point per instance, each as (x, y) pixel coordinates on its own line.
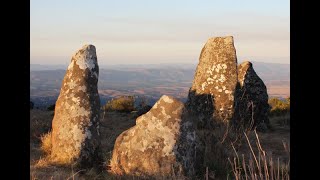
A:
(147, 80)
(40, 67)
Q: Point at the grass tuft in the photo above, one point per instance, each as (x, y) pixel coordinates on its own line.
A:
(260, 165)
(46, 143)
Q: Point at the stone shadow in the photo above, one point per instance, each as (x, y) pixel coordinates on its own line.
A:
(196, 135)
(251, 109)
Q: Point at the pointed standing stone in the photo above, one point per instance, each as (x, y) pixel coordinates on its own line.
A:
(75, 126)
(215, 80)
(252, 106)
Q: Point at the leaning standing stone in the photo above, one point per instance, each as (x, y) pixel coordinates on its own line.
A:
(75, 126)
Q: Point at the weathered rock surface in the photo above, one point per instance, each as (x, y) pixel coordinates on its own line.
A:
(161, 141)
(75, 126)
(215, 80)
(252, 106)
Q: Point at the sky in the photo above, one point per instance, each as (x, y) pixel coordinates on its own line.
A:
(157, 32)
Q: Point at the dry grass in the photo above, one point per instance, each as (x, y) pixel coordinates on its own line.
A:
(114, 123)
(42, 166)
(282, 120)
(46, 143)
(40, 123)
(216, 153)
(260, 165)
(53, 172)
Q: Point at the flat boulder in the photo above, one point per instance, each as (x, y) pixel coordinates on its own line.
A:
(162, 141)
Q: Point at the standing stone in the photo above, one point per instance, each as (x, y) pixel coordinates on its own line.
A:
(252, 106)
(75, 126)
(162, 141)
(215, 80)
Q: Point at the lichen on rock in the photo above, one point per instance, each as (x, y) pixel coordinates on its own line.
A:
(75, 136)
(161, 141)
(215, 80)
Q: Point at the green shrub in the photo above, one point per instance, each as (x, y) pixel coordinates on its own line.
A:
(51, 107)
(143, 110)
(120, 104)
(279, 107)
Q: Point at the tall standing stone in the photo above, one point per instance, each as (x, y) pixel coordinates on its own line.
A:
(252, 106)
(75, 126)
(215, 80)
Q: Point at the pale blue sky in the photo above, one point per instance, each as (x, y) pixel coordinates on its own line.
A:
(152, 32)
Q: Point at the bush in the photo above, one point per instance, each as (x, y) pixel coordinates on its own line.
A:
(120, 104)
(279, 107)
(143, 110)
(51, 107)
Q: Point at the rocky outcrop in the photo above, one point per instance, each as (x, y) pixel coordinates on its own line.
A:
(162, 141)
(252, 106)
(75, 126)
(224, 97)
(215, 80)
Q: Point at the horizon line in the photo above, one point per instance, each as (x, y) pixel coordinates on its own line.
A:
(187, 63)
